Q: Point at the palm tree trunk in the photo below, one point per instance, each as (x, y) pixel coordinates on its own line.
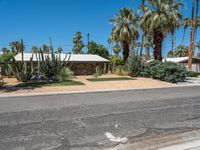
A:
(125, 47)
(183, 36)
(191, 50)
(147, 52)
(158, 41)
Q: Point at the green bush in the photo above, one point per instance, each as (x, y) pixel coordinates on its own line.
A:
(167, 71)
(192, 74)
(64, 75)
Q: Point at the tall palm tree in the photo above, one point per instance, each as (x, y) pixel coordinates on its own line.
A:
(125, 29)
(191, 50)
(162, 17)
(185, 24)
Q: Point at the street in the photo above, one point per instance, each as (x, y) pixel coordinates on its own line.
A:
(80, 121)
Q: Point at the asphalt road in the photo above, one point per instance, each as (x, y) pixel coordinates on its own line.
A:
(80, 120)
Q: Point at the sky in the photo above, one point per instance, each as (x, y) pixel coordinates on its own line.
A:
(35, 21)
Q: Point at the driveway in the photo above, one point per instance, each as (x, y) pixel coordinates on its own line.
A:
(80, 121)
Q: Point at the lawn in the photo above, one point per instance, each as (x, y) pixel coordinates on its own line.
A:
(40, 84)
(109, 79)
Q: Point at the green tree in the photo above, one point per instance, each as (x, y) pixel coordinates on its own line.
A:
(45, 49)
(98, 49)
(125, 30)
(185, 24)
(170, 54)
(60, 50)
(162, 17)
(34, 49)
(181, 51)
(5, 50)
(78, 43)
(17, 47)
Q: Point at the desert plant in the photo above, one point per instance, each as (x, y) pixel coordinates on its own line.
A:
(64, 75)
(167, 71)
(134, 63)
(22, 70)
(51, 64)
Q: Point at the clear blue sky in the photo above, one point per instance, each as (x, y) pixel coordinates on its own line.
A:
(36, 20)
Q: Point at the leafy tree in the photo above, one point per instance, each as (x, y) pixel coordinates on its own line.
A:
(78, 43)
(98, 49)
(125, 30)
(162, 17)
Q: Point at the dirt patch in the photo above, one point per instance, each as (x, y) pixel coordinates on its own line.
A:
(138, 83)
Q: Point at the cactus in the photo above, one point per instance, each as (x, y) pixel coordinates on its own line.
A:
(51, 64)
(22, 70)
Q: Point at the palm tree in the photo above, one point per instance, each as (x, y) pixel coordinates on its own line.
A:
(5, 50)
(116, 49)
(60, 50)
(185, 23)
(34, 49)
(162, 17)
(17, 47)
(181, 51)
(78, 43)
(45, 49)
(125, 30)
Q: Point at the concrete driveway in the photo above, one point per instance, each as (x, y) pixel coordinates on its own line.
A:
(80, 121)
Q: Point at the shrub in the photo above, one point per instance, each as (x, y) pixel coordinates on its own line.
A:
(192, 74)
(2, 83)
(134, 63)
(64, 75)
(167, 71)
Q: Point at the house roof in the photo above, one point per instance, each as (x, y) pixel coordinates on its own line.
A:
(66, 57)
(180, 59)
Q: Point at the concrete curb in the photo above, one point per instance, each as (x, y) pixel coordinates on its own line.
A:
(87, 91)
